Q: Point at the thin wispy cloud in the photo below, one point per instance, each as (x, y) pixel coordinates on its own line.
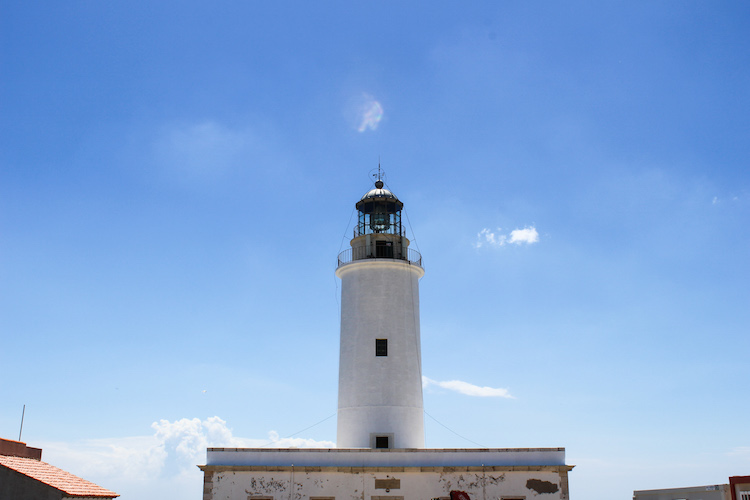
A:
(468, 389)
(731, 199)
(496, 239)
(371, 112)
(203, 150)
(741, 452)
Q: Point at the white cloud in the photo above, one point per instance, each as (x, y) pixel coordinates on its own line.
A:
(130, 457)
(143, 466)
(203, 150)
(370, 113)
(468, 389)
(276, 442)
(485, 236)
(527, 235)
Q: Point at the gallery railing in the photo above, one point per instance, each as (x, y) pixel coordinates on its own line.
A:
(361, 253)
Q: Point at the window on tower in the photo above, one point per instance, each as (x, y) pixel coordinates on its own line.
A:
(381, 442)
(381, 347)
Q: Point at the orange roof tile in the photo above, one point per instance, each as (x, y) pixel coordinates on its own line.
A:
(57, 478)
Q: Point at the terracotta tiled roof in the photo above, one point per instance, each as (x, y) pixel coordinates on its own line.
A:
(57, 478)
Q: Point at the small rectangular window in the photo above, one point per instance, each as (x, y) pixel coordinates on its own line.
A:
(381, 347)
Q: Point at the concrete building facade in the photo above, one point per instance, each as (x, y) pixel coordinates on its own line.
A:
(384, 474)
(709, 492)
(737, 489)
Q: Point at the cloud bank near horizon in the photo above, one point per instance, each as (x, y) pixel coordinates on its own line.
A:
(166, 460)
(468, 389)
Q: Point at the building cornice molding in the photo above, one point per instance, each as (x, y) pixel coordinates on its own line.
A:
(358, 470)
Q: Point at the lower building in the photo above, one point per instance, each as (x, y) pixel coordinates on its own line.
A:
(385, 474)
(737, 489)
(23, 476)
(740, 487)
(710, 492)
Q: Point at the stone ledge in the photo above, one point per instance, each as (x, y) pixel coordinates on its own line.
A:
(358, 470)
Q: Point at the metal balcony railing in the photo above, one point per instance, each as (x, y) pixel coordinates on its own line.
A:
(361, 253)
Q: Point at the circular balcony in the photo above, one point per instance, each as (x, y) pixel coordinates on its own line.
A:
(361, 253)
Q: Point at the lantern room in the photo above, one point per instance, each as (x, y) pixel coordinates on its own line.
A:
(379, 233)
(379, 212)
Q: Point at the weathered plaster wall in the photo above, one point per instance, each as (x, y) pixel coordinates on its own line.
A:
(342, 483)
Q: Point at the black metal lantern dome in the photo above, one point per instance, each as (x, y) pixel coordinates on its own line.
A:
(379, 212)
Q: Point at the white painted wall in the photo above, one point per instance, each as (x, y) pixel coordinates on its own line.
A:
(299, 484)
(337, 457)
(380, 394)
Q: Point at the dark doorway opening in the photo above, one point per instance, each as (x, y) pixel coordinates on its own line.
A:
(381, 442)
(384, 249)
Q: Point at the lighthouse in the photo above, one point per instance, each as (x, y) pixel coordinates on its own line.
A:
(380, 370)
(380, 453)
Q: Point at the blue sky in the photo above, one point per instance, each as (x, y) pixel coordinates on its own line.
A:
(177, 179)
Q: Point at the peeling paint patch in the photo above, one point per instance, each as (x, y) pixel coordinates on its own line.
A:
(541, 486)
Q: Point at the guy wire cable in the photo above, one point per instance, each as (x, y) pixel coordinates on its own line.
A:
(454, 432)
(303, 430)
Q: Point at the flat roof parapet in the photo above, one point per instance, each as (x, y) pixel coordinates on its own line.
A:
(354, 457)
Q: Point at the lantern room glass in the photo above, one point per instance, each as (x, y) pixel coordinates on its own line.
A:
(379, 222)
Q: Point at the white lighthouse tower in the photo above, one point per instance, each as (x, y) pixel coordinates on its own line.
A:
(380, 452)
(380, 368)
